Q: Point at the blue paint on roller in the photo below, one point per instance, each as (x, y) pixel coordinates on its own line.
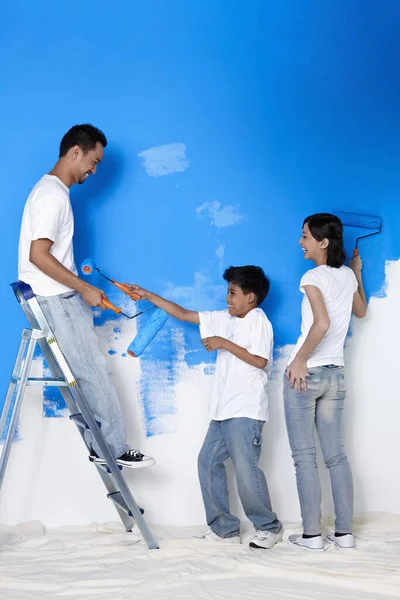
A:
(155, 321)
(88, 266)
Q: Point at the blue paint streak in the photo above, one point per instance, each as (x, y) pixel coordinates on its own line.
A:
(53, 402)
(159, 372)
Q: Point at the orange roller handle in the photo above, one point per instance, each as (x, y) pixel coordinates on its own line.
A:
(111, 306)
(124, 288)
(355, 252)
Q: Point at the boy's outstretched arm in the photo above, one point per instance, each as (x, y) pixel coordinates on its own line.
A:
(189, 316)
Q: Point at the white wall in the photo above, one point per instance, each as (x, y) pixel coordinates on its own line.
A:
(49, 477)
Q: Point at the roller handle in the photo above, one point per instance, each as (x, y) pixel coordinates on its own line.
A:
(355, 252)
(124, 288)
(111, 306)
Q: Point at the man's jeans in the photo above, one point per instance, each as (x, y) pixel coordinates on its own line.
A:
(322, 404)
(239, 439)
(71, 321)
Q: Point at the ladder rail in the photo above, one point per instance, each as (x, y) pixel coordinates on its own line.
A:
(41, 334)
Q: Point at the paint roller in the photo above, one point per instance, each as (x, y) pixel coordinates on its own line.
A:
(152, 327)
(370, 223)
(88, 267)
(147, 333)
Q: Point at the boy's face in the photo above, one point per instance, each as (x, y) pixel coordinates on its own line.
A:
(239, 303)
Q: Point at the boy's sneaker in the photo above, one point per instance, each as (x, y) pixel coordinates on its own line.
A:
(314, 544)
(132, 458)
(265, 539)
(213, 537)
(342, 541)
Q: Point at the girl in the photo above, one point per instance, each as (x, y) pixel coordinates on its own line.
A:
(314, 389)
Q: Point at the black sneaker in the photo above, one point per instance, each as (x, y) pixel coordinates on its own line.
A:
(132, 458)
(135, 459)
(94, 457)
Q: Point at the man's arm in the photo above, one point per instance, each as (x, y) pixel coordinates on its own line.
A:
(180, 313)
(220, 343)
(41, 257)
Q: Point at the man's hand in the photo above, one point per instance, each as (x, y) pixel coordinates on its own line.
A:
(297, 373)
(213, 343)
(92, 295)
(135, 289)
(355, 265)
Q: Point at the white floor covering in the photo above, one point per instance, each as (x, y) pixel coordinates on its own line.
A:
(103, 562)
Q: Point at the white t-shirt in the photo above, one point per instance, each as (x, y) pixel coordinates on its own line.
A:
(338, 287)
(238, 389)
(47, 214)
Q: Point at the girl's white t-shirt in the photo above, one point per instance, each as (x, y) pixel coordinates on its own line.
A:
(338, 287)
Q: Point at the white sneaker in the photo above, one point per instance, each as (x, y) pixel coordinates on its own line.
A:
(265, 539)
(314, 544)
(213, 537)
(342, 541)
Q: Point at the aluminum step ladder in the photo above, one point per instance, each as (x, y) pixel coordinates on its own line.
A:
(40, 333)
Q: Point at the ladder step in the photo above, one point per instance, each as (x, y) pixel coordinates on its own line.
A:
(119, 501)
(80, 421)
(42, 381)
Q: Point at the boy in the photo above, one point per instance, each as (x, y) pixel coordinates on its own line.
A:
(243, 337)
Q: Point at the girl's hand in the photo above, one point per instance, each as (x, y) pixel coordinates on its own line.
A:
(297, 373)
(213, 343)
(355, 264)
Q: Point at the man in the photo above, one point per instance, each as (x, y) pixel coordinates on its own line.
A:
(46, 263)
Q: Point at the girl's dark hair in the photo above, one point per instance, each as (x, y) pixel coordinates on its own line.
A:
(326, 226)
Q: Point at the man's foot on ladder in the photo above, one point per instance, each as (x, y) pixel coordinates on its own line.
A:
(132, 458)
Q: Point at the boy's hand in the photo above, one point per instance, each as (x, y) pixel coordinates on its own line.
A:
(297, 373)
(355, 264)
(135, 289)
(213, 343)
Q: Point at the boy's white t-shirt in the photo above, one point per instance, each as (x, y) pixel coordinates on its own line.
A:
(47, 214)
(338, 287)
(238, 389)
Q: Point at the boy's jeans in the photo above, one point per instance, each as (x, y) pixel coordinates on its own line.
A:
(71, 321)
(239, 439)
(322, 405)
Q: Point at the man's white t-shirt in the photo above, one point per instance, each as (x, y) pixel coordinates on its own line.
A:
(47, 214)
(338, 287)
(238, 389)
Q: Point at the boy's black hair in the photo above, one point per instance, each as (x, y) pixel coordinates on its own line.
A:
(326, 226)
(84, 136)
(249, 279)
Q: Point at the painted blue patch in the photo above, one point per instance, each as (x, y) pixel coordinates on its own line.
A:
(53, 402)
(112, 352)
(159, 364)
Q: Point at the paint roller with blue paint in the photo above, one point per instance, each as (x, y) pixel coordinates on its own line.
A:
(370, 223)
(153, 325)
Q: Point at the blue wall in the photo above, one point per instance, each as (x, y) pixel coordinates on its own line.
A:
(285, 108)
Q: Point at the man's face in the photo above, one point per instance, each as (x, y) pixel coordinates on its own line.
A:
(86, 164)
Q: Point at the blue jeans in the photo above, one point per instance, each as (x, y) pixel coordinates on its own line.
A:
(71, 321)
(322, 405)
(239, 439)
